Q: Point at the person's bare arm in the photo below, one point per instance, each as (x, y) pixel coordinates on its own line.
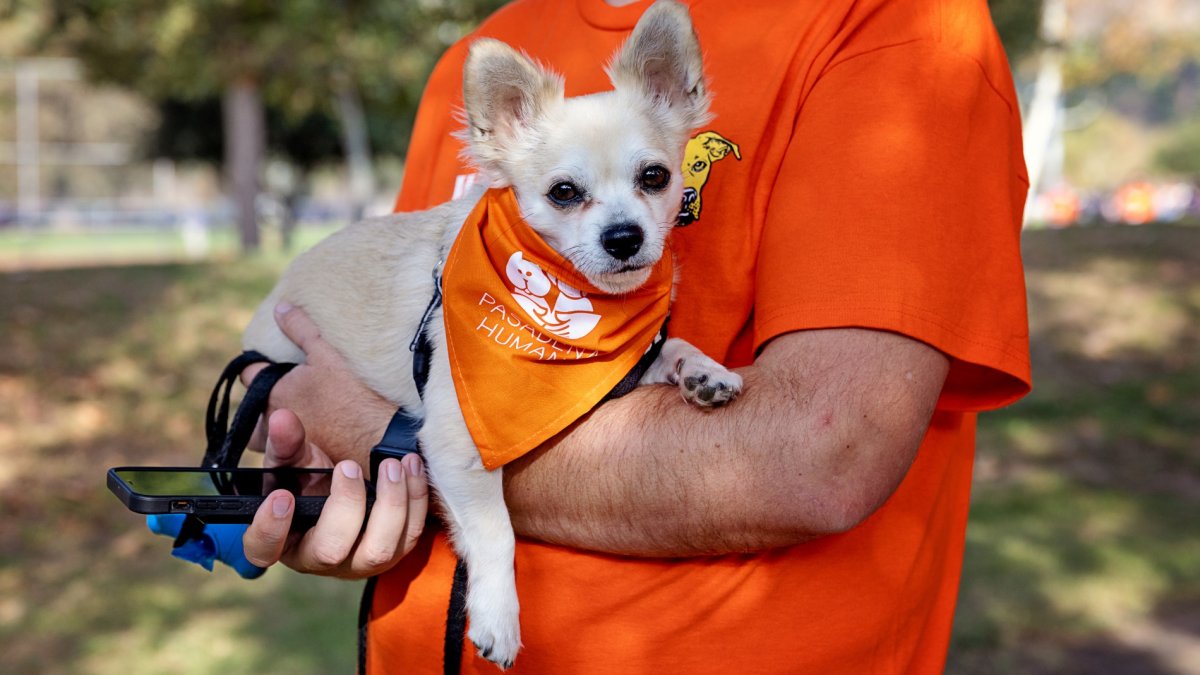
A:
(826, 428)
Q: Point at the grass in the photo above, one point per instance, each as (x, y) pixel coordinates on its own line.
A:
(1083, 547)
(24, 249)
(106, 366)
(1083, 550)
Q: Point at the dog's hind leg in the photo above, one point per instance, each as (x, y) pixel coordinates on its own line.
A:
(702, 381)
(480, 530)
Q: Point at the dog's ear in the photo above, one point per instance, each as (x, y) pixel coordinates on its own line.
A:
(718, 146)
(504, 92)
(662, 61)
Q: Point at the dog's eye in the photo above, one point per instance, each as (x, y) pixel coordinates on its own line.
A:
(563, 194)
(655, 178)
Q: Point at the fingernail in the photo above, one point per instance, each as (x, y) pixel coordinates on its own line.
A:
(280, 506)
(283, 307)
(350, 470)
(393, 470)
(412, 464)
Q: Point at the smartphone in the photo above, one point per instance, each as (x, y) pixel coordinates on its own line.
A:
(220, 495)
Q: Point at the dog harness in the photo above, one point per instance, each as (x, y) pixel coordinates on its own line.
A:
(562, 325)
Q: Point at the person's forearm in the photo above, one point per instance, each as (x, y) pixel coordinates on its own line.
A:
(810, 449)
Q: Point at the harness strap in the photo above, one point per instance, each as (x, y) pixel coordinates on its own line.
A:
(400, 438)
(421, 347)
(456, 611)
(633, 377)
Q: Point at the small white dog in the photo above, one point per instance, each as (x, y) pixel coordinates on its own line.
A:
(597, 177)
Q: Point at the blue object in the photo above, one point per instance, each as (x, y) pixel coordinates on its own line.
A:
(216, 542)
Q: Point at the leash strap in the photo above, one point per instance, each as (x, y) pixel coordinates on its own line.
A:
(364, 615)
(398, 440)
(225, 443)
(456, 621)
(401, 426)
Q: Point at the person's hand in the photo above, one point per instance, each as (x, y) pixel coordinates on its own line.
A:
(339, 544)
(342, 415)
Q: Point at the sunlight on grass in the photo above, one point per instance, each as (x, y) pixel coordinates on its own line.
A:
(56, 248)
(1113, 306)
(1071, 560)
(109, 366)
(1083, 537)
(221, 628)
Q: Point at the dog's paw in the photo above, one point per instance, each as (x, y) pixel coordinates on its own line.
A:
(497, 639)
(706, 383)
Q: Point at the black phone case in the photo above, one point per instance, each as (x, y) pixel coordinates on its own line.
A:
(223, 509)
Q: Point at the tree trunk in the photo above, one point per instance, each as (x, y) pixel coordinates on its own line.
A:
(245, 143)
(356, 146)
(1043, 121)
(291, 209)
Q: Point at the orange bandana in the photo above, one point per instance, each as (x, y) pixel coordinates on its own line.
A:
(529, 351)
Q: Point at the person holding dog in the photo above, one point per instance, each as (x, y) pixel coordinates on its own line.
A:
(849, 242)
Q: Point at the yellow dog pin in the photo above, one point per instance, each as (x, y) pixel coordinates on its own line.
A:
(701, 152)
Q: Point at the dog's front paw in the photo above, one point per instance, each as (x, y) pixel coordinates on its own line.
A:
(496, 636)
(706, 383)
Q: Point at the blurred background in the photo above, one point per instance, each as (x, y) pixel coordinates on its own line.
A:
(161, 162)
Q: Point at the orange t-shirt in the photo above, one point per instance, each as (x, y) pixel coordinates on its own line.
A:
(864, 169)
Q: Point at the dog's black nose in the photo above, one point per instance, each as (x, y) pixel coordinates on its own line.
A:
(623, 240)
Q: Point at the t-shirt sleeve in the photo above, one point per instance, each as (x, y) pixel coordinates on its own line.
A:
(898, 208)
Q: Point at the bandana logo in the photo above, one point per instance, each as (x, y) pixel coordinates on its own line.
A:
(552, 303)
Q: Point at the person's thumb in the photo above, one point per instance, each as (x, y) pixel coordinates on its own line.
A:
(285, 441)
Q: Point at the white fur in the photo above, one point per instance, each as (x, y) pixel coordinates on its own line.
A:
(367, 286)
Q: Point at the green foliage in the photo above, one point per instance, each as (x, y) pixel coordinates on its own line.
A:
(299, 52)
(1180, 154)
(192, 130)
(1018, 22)
(1111, 38)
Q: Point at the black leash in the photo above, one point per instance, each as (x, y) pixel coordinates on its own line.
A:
(398, 440)
(227, 442)
(456, 621)
(456, 613)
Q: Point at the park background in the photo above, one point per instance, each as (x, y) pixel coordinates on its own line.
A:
(133, 249)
